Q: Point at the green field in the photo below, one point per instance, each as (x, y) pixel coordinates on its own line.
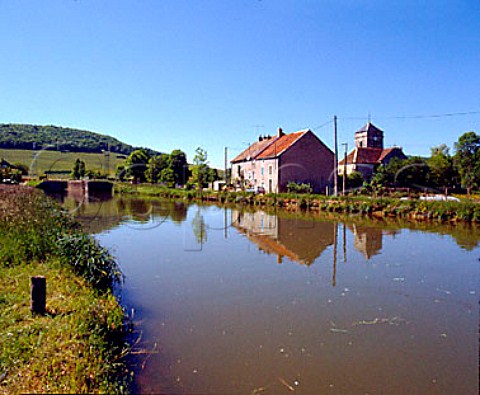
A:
(41, 161)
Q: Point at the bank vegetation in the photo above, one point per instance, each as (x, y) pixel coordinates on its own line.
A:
(466, 210)
(79, 344)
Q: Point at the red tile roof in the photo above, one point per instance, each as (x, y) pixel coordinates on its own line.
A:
(370, 155)
(252, 151)
(281, 144)
(269, 148)
(350, 158)
(387, 152)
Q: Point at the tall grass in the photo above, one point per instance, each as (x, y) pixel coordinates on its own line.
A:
(78, 346)
(34, 228)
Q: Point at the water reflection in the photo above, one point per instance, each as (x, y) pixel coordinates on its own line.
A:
(300, 237)
(300, 241)
(199, 227)
(368, 240)
(371, 306)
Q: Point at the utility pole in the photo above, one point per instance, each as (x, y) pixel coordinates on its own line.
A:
(344, 178)
(226, 164)
(335, 158)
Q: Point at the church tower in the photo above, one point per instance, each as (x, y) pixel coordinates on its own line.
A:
(369, 137)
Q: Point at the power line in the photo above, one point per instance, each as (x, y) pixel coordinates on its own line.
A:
(322, 125)
(421, 116)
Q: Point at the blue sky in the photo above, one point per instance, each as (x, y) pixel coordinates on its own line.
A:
(181, 74)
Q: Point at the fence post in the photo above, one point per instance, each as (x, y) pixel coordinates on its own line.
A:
(38, 294)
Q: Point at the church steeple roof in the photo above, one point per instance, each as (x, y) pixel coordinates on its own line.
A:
(369, 127)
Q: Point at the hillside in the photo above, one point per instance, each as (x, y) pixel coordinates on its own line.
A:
(29, 137)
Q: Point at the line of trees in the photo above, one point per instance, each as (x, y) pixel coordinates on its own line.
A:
(440, 170)
(168, 169)
(80, 171)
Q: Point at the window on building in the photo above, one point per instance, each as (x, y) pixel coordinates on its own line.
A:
(270, 170)
(261, 171)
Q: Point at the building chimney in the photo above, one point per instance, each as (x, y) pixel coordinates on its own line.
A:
(280, 132)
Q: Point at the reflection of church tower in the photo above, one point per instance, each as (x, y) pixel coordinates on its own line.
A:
(367, 240)
(369, 137)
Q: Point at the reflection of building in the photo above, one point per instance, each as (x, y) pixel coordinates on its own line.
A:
(300, 241)
(367, 240)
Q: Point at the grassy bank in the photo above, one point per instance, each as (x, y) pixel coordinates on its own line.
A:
(443, 211)
(77, 346)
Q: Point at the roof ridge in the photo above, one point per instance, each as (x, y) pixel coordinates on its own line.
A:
(250, 152)
(274, 138)
(297, 136)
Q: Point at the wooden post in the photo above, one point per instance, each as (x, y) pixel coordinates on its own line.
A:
(38, 294)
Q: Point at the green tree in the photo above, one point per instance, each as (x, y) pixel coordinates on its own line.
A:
(79, 170)
(411, 172)
(136, 164)
(202, 174)
(467, 159)
(155, 165)
(442, 172)
(167, 177)
(179, 166)
(354, 180)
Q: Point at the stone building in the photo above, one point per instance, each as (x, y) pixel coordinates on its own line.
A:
(274, 161)
(369, 152)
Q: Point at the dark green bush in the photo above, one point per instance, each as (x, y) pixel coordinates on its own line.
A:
(294, 187)
(89, 260)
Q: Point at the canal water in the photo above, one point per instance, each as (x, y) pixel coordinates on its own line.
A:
(237, 301)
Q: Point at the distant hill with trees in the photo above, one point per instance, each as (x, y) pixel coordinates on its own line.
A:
(29, 137)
